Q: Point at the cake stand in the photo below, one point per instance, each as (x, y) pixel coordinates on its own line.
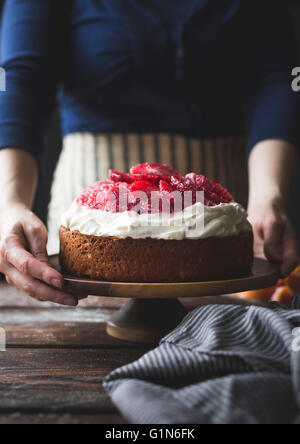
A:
(153, 309)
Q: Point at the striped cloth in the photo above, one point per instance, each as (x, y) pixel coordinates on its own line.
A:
(221, 365)
(87, 158)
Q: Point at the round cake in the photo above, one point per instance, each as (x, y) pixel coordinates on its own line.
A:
(154, 225)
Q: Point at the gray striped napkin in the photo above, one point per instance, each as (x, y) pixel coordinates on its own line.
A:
(221, 365)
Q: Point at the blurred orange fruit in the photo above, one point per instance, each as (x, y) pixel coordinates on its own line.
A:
(293, 281)
(262, 295)
(283, 295)
(283, 292)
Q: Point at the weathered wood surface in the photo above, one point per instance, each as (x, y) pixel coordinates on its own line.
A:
(57, 357)
(45, 419)
(56, 360)
(61, 381)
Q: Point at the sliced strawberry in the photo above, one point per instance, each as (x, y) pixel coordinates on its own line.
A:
(138, 202)
(181, 184)
(154, 179)
(88, 197)
(176, 182)
(213, 191)
(191, 179)
(165, 186)
(209, 203)
(147, 187)
(104, 196)
(214, 197)
(119, 176)
(155, 169)
(117, 194)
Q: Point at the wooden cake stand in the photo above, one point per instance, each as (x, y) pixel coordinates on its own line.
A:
(154, 309)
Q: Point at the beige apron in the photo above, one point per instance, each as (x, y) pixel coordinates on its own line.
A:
(86, 158)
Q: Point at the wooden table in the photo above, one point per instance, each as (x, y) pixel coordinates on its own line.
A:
(57, 357)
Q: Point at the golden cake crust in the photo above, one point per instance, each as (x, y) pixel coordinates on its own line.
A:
(155, 260)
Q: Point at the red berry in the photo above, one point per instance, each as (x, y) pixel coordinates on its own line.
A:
(118, 176)
(209, 203)
(154, 179)
(165, 187)
(117, 194)
(176, 182)
(155, 169)
(103, 196)
(214, 192)
(147, 187)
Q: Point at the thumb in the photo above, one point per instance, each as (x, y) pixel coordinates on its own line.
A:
(37, 237)
(290, 255)
(272, 234)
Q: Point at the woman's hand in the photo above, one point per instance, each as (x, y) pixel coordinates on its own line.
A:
(271, 167)
(24, 260)
(274, 237)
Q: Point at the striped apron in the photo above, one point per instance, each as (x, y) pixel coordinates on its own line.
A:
(87, 158)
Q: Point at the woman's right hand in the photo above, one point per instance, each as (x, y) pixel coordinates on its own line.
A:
(24, 260)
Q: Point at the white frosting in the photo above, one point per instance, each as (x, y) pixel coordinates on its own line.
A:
(196, 222)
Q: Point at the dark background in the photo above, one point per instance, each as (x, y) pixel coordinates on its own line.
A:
(53, 147)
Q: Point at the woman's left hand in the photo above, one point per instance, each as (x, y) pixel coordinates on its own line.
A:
(274, 237)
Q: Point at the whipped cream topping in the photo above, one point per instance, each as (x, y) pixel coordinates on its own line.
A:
(195, 222)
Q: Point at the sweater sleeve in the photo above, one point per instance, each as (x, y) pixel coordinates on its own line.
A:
(28, 40)
(272, 106)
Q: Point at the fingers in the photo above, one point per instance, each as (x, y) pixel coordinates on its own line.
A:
(13, 253)
(274, 238)
(280, 245)
(38, 290)
(290, 254)
(36, 236)
(259, 248)
(25, 263)
(272, 233)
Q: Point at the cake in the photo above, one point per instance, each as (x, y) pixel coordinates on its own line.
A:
(155, 225)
